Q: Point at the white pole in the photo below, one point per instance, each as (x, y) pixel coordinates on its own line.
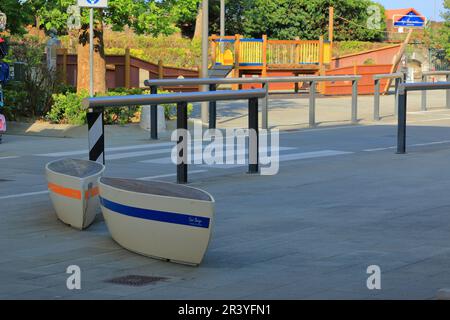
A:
(222, 24)
(91, 52)
(222, 18)
(205, 47)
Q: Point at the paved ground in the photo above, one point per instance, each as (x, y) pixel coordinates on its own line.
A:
(342, 201)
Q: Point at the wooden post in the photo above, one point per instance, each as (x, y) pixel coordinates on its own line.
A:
(398, 58)
(237, 52)
(264, 56)
(321, 63)
(160, 69)
(127, 68)
(63, 75)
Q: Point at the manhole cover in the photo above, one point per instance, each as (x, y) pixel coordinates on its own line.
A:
(136, 280)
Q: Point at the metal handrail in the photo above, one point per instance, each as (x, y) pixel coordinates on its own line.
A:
(259, 80)
(265, 81)
(436, 73)
(427, 74)
(148, 99)
(399, 78)
(388, 76)
(424, 86)
(403, 94)
(95, 107)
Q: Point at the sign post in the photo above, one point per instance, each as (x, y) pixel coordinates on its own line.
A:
(96, 131)
(91, 4)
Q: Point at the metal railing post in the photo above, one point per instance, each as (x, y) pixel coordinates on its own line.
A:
(354, 101)
(424, 95)
(96, 135)
(212, 109)
(398, 81)
(182, 144)
(154, 116)
(253, 146)
(401, 135)
(312, 104)
(448, 92)
(376, 107)
(265, 107)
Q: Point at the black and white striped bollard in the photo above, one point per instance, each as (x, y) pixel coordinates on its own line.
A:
(96, 135)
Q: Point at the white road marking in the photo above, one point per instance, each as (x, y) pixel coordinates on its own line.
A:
(314, 154)
(168, 160)
(20, 195)
(118, 156)
(411, 145)
(430, 143)
(112, 149)
(171, 175)
(12, 157)
(379, 149)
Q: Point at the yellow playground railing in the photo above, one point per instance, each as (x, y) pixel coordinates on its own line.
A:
(257, 53)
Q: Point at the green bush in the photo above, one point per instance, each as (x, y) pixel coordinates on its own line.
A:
(32, 97)
(67, 109)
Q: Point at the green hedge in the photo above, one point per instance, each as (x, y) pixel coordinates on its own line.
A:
(67, 109)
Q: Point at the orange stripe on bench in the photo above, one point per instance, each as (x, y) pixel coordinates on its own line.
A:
(66, 192)
(72, 193)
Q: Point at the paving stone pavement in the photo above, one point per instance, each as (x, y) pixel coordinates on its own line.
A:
(309, 232)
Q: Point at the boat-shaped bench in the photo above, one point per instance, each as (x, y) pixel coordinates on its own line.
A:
(73, 187)
(158, 219)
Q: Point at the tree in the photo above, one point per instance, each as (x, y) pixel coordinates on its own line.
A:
(151, 17)
(445, 32)
(19, 14)
(308, 19)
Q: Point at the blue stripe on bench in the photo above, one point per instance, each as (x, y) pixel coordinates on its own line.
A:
(161, 216)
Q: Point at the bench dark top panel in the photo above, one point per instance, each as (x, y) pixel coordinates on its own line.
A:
(157, 188)
(76, 167)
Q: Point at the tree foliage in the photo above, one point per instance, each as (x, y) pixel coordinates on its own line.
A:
(19, 14)
(308, 19)
(143, 16)
(445, 32)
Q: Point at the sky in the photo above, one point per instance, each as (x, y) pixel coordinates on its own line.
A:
(426, 7)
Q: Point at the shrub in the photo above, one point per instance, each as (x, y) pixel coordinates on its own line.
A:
(32, 97)
(66, 108)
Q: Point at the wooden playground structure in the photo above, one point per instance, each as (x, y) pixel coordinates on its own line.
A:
(265, 57)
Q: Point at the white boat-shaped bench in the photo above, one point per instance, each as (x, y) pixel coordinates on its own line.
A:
(73, 187)
(158, 219)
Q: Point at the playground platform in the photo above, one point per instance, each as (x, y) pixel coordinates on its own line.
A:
(342, 201)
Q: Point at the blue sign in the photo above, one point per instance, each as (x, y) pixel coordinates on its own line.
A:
(93, 3)
(411, 20)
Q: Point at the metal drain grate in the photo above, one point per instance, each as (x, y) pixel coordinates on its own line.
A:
(136, 280)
